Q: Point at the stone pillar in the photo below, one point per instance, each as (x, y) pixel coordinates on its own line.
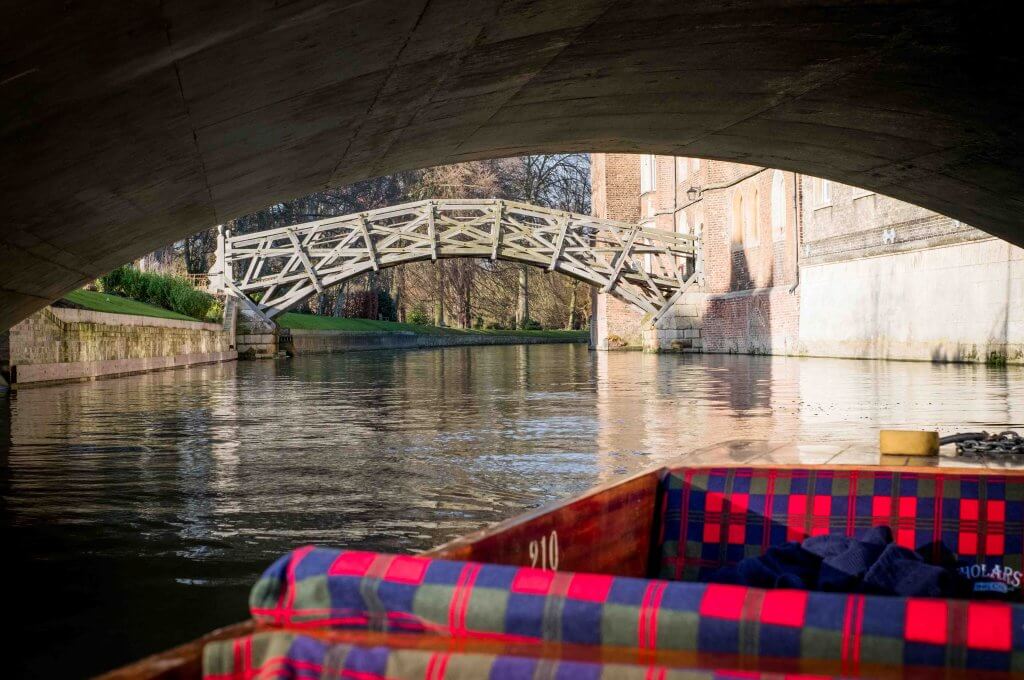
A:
(5, 360)
(615, 183)
(616, 324)
(680, 329)
(255, 338)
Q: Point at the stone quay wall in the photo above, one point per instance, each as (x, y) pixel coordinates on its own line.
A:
(797, 265)
(327, 342)
(62, 345)
(5, 360)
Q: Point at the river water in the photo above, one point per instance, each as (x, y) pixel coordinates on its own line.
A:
(136, 512)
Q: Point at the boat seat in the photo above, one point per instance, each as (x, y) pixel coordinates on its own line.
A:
(712, 517)
(314, 588)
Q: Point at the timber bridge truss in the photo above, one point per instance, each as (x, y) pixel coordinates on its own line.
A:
(271, 271)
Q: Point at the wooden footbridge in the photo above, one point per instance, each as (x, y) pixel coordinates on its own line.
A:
(270, 271)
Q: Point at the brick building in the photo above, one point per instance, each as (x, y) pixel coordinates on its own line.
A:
(798, 265)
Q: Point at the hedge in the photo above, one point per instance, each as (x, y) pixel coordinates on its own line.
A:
(170, 292)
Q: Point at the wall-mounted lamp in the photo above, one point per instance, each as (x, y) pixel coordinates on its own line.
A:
(692, 193)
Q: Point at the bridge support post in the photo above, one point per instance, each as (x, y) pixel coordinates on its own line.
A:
(255, 337)
(5, 361)
(616, 325)
(681, 328)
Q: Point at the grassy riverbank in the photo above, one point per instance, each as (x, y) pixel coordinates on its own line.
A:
(309, 322)
(114, 304)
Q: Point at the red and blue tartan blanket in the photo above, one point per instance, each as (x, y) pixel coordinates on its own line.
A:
(317, 587)
(287, 655)
(712, 517)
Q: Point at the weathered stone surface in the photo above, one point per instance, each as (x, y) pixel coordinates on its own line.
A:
(5, 357)
(71, 344)
(326, 342)
(130, 124)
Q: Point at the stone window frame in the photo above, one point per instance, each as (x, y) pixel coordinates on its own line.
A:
(648, 173)
(822, 192)
(682, 169)
(682, 222)
(778, 221)
(737, 221)
(752, 224)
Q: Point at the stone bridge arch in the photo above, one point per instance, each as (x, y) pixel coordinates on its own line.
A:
(131, 124)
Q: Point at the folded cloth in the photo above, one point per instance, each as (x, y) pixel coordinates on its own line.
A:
(845, 560)
(901, 571)
(870, 564)
(786, 565)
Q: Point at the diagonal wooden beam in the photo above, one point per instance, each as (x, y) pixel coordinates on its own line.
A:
(371, 251)
(255, 308)
(623, 255)
(559, 242)
(300, 251)
(672, 300)
(432, 229)
(499, 210)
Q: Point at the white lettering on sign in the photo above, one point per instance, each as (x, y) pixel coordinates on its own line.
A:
(1011, 577)
(544, 552)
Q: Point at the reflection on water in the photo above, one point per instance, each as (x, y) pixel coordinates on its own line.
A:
(139, 510)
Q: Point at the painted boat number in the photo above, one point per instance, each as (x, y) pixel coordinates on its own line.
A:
(544, 552)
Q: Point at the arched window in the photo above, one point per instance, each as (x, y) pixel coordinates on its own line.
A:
(778, 205)
(738, 220)
(648, 174)
(682, 169)
(694, 166)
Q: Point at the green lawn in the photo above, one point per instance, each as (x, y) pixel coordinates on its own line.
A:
(309, 322)
(104, 302)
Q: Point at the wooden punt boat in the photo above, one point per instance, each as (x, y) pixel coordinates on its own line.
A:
(631, 553)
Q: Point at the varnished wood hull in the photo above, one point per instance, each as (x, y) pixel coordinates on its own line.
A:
(609, 529)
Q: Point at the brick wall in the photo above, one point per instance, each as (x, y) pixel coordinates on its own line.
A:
(747, 303)
(615, 179)
(836, 271)
(751, 305)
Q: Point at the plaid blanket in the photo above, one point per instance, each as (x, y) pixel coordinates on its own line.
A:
(315, 587)
(287, 655)
(717, 516)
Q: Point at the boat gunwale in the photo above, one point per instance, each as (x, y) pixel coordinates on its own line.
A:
(185, 660)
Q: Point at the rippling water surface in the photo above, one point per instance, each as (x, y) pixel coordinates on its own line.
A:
(136, 512)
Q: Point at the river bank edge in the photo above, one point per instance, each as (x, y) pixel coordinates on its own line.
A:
(59, 345)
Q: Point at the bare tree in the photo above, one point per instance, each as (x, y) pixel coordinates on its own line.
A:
(461, 291)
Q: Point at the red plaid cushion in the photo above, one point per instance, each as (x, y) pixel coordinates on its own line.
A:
(285, 656)
(717, 516)
(314, 587)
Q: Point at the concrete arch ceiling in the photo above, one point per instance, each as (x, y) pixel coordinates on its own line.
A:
(127, 124)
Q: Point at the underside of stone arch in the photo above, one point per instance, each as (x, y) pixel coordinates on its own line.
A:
(130, 124)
